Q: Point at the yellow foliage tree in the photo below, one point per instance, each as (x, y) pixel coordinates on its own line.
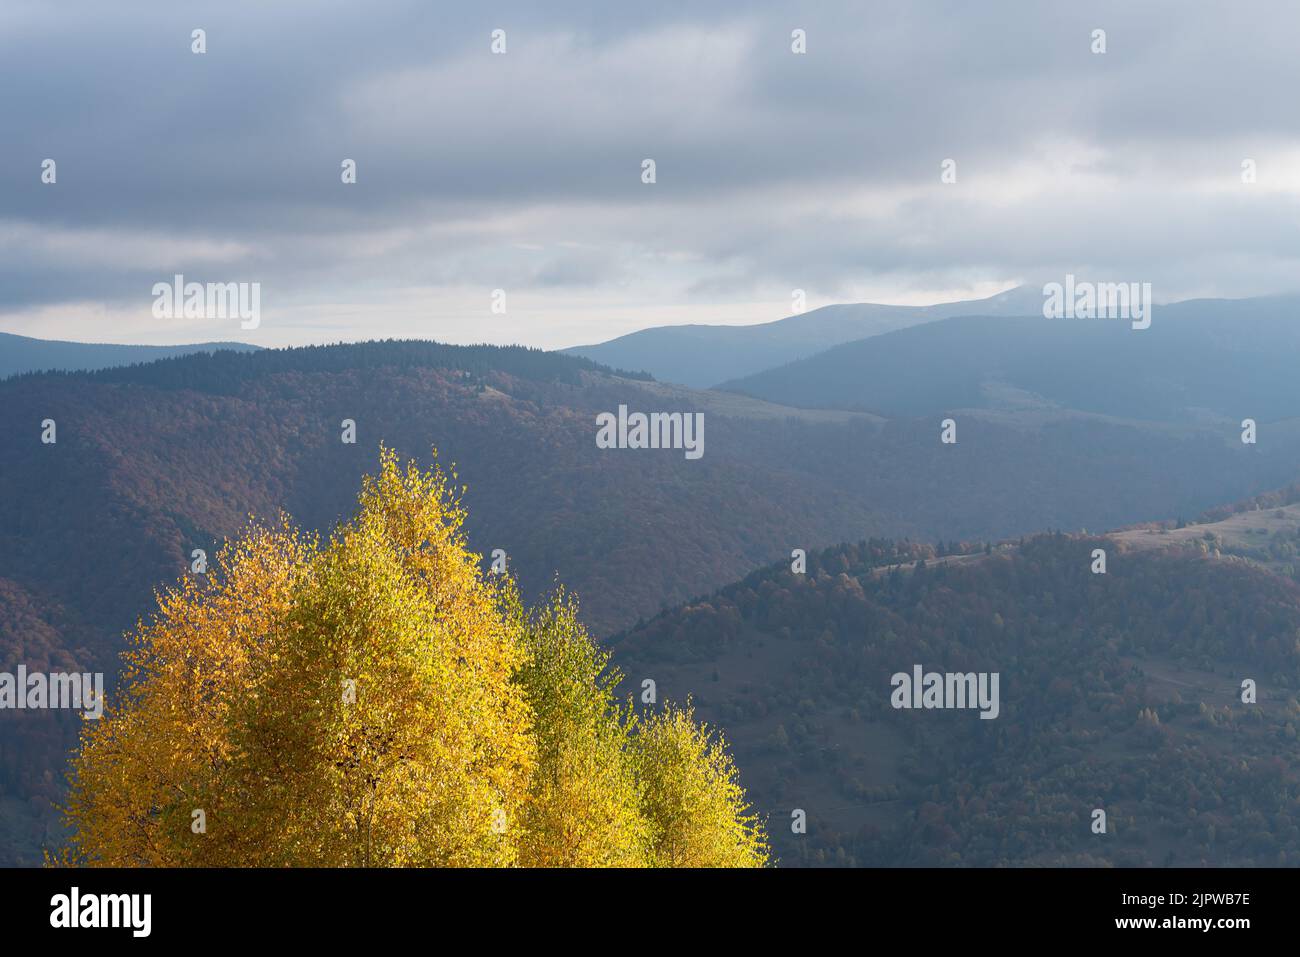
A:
(585, 808)
(377, 700)
(692, 796)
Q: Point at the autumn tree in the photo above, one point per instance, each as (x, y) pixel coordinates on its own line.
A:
(585, 807)
(379, 700)
(692, 796)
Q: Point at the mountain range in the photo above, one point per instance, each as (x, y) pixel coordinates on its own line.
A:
(685, 565)
(1200, 361)
(702, 356)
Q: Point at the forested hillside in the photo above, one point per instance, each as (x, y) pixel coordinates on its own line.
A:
(1119, 691)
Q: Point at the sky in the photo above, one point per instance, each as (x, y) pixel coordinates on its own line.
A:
(522, 171)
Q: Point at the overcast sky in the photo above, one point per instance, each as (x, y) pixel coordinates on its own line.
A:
(523, 171)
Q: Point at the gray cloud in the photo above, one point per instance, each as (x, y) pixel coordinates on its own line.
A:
(522, 171)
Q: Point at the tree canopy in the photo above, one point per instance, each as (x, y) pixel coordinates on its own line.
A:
(379, 699)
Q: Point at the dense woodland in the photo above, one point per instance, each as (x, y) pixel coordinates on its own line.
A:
(1119, 691)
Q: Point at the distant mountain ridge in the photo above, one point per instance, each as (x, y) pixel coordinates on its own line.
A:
(1200, 360)
(701, 356)
(21, 354)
